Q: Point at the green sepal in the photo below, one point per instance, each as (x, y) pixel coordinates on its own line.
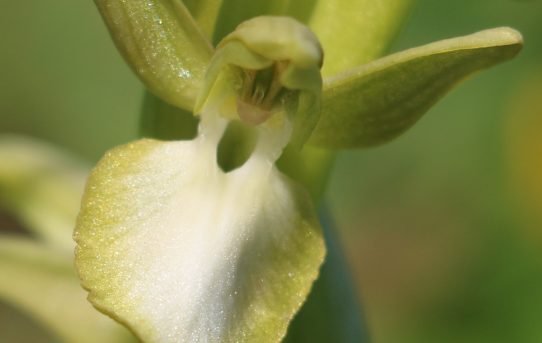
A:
(375, 103)
(162, 43)
(354, 32)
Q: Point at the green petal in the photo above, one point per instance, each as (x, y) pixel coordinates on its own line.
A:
(205, 12)
(375, 103)
(182, 252)
(43, 284)
(41, 186)
(354, 32)
(163, 45)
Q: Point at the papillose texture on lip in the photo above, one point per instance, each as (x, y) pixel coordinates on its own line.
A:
(181, 251)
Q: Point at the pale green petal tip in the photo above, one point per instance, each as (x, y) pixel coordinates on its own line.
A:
(181, 255)
(377, 102)
(500, 36)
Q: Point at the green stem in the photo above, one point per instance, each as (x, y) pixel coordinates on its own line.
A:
(332, 312)
(163, 121)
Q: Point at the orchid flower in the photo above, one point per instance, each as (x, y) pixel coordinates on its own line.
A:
(213, 237)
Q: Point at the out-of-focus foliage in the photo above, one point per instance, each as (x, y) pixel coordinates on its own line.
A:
(40, 187)
(62, 79)
(42, 282)
(522, 124)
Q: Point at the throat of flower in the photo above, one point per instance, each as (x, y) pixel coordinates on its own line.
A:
(271, 138)
(266, 74)
(261, 93)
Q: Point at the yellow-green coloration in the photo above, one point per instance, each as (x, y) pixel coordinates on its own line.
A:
(163, 45)
(354, 32)
(384, 98)
(180, 251)
(205, 13)
(267, 65)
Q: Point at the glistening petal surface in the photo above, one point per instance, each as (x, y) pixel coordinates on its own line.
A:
(375, 103)
(181, 252)
(162, 43)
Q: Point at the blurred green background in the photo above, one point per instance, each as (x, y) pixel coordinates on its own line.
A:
(443, 226)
